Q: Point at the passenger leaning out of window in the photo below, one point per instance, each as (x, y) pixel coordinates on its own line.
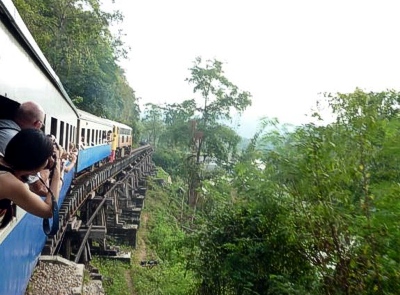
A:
(28, 115)
(28, 152)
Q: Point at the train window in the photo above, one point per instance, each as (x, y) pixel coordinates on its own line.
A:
(104, 137)
(61, 139)
(87, 139)
(97, 137)
(8, 108)
(92, 142)
(122, 138)
(67, 137)
(82, 139)
(43, 125)
(71, 133)
(53, 128)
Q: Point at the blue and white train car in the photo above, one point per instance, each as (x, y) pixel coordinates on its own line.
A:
(26, 75)
(121, 139)
(95, 140)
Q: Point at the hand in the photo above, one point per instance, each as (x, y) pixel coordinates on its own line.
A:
(57, 150)
(73, 158)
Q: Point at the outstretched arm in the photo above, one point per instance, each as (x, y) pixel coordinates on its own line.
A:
(20, 194)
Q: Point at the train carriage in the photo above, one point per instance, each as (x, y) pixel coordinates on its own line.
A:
(94, 140)
(26, 75)
(121, 139)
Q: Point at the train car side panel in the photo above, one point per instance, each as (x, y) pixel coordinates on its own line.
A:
(20, 245)
(19, 254)
(91, 155)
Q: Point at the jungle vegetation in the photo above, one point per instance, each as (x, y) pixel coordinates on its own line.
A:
(313, 210)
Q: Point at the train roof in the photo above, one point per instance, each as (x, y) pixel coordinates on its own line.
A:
(120, 125)
(10, 13)
(93, 118)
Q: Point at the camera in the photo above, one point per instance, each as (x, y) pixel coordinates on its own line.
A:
(51, 162)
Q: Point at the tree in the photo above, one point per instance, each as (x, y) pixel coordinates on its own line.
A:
(209, 136)
(153, 124)
(219, 98)
(76, 40)
(312, 211)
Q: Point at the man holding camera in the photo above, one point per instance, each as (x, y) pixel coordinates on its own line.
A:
(28, 115)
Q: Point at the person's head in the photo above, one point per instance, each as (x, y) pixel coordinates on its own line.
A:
(28, 150)
(30, 115)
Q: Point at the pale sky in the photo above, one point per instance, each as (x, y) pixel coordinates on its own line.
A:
(283, 52)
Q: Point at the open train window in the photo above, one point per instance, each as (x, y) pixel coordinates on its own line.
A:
(8, 108)
(67, 137)
(61, 139)
(87, 139)
(71, 134)
(53, 127)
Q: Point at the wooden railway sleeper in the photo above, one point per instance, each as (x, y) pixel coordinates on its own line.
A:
(78, 192)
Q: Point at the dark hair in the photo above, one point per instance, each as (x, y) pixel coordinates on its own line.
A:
(28, 150)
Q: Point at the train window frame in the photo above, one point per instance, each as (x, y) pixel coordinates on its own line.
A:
(53, 126)
(67, 137)
(92, 142)
(71, 134)
(61, 137)
(87, 139)
(83, 133)
(103, 136)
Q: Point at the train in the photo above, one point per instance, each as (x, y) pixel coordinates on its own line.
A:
(26, 75)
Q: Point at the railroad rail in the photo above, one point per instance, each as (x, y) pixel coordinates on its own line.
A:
(94, 203)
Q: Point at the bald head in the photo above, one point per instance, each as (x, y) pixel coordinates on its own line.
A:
(29, 115)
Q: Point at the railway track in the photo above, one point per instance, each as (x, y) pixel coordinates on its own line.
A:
(94, 202)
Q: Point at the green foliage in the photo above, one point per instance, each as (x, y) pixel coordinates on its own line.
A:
(113, 271)
(164, 238)
(245, 243)
(171, 160)
(219, 97)
(162, 174)
(314, 210)
(317, 206)
(153, 124)
(163, 279)
(76, 40)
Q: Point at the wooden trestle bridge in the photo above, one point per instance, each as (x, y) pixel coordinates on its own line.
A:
(104, 203)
